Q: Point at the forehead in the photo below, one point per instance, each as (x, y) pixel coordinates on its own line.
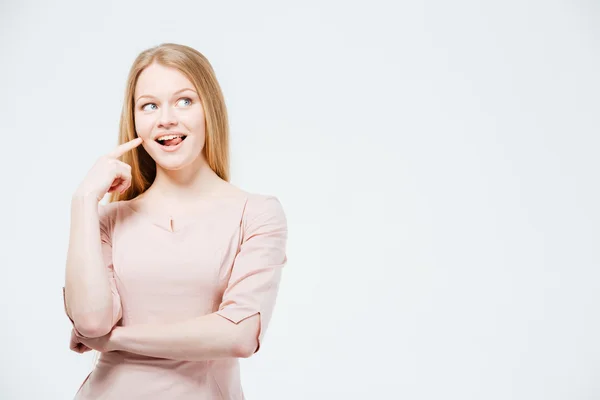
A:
(159, 80)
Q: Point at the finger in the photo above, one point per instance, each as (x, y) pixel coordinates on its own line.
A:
(122, 176)
(126, 166)
(125, 147)
(123, 187)
(120, 186)
(73, 342)
(77, 347)
(82, 348)
(116, 183)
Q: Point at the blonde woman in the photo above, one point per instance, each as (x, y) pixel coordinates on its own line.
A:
(176, 277)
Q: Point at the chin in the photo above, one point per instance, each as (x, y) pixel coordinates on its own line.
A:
(173, 165)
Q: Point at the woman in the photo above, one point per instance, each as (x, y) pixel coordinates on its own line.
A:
(175, 278)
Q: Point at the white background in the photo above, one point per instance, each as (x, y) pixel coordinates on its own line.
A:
(438, 163)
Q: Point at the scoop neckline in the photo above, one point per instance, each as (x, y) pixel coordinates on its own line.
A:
(163, 221)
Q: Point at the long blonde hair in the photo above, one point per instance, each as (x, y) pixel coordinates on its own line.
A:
(196, 67)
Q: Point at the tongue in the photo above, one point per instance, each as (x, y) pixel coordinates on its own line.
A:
(172, 142)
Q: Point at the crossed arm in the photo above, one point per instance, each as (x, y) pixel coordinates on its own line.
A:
(234, 330)
(204, 338)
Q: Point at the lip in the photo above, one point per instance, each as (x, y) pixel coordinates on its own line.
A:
(169, 149)
(167, 133)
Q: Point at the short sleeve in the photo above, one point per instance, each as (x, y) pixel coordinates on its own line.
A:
(256, 273)
(107, 217)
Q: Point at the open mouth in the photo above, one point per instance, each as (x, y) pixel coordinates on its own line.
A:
(170, 140)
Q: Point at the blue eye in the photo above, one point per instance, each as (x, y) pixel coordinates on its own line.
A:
(186, 99)
(145, 106)
(149, 104)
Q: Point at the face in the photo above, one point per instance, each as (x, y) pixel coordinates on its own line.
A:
(169, 117)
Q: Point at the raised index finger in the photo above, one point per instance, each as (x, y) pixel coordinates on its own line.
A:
(125, 147)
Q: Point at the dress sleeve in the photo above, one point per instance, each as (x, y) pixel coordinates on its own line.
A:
(256, 273)
(107, 216)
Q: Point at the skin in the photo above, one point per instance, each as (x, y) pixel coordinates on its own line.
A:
(161, 106)
(182, 176)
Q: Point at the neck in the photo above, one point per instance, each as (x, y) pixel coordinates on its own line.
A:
(189, 183)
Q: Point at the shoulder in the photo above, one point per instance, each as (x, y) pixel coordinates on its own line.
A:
(256, 205)
(259, 202)
(264, 209)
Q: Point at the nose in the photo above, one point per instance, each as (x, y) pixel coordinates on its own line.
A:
(167, 118)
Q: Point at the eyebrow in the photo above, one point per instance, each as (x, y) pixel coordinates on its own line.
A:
(174, 94)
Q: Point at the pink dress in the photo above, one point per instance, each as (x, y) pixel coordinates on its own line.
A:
(226, 260)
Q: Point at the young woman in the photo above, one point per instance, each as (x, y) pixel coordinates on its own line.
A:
(175, 278)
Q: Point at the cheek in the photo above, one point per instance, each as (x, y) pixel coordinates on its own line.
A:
(143, 125)
(194, 120)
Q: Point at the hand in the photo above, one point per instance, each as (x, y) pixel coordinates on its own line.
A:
(76, 344)
(103, 344)
(108, 173)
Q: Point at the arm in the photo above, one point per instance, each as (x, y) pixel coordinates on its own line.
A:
(236, 329)
(91, 300)
(208, 337)
(88, 295)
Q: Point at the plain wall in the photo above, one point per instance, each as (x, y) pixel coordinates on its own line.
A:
(437, 161)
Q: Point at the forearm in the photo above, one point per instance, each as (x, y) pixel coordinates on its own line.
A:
(87, 289)
(208, 337)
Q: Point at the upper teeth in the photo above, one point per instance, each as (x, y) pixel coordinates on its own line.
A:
(169, 137)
